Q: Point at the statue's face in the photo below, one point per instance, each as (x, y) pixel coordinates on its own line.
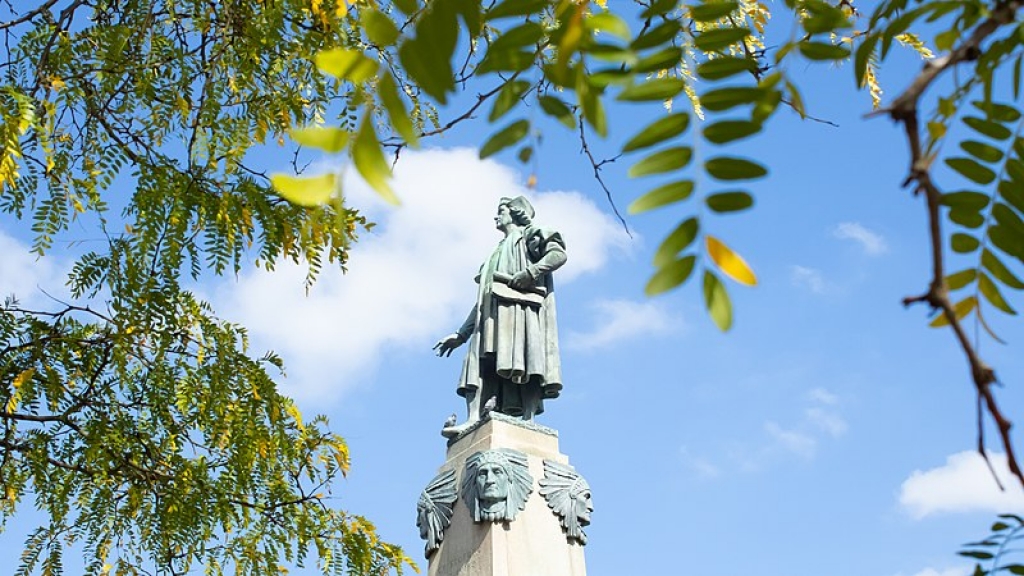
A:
(584, 506)
(504, 218)
(491, 482)
(422, 520)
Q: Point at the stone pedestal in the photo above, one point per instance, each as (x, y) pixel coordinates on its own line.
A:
(534, 543)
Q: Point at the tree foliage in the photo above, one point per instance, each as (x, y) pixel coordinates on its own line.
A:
(138, 422)
(167, 99)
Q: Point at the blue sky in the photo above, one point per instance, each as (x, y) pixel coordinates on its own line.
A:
(828, 433)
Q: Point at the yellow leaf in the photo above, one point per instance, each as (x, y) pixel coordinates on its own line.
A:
(328, 139)
(293, 411)
(351, 65)
(306, 190)
(23, 377)
(729, 262)
(960, 310)
(370, 162)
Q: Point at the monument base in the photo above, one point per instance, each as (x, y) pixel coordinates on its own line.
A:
(534, 543)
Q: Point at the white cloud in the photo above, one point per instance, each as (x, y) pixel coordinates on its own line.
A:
(799, 443)
(963, 484)
(617, 320)
(872, 242)
(822, 396)
(810, 278)
(826, 420)
(702, 467)
(410, 280)
(26, 276)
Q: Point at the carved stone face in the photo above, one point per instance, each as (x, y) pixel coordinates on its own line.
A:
(584, 507)
(504, 218)
(491, 483)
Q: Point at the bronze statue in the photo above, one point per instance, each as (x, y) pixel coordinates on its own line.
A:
(511, 331)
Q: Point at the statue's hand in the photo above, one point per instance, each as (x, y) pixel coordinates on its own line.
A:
(521, 281)
(445, 345)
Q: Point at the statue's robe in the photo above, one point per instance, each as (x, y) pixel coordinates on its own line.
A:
(513, 343)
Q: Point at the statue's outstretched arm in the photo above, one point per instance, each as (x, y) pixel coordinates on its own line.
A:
(450, 342)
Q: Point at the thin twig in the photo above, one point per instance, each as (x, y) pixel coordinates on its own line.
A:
(597, 174)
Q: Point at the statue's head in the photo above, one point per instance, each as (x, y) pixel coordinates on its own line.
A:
(519, 210)
(568, 495)
(496, 484)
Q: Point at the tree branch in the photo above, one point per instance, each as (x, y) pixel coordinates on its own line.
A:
(904, 111)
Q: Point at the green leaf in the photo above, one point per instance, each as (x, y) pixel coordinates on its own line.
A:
(960, 310)
(593, 109)
(407, 6)
(823, 51)
(1007, 241)
(663, 161)
(670, 275)
(1008, 217)
(328, 139)
(730, 130)
(306, 191)
(726, 98)
(659, 7)
(825, 18)
(555, 107)
(982, 151)
(400, 120)
(863, 57)
(506, 61)
(1013, 193)
(653, 89)
(525, 154)
(964, 243)
(971, 169)
(505, 137)
(724, 202)
(661, 60)
(994, 265)
(427, 58)
(610, 23)
(344, 64)
(379, 28)
(991, 293)
(719, 38)
(661, 196)
(991, 129)
(967, 218)
(658, 131)
(370, 162)
(677, 241)
(712, 11)
(527, 34)
(716, 300)
(731, 168)
(507, 98)
(961, 278)
(724, 67)
(516, 8)
(965, 199)
(655, 36)
(999, 112)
